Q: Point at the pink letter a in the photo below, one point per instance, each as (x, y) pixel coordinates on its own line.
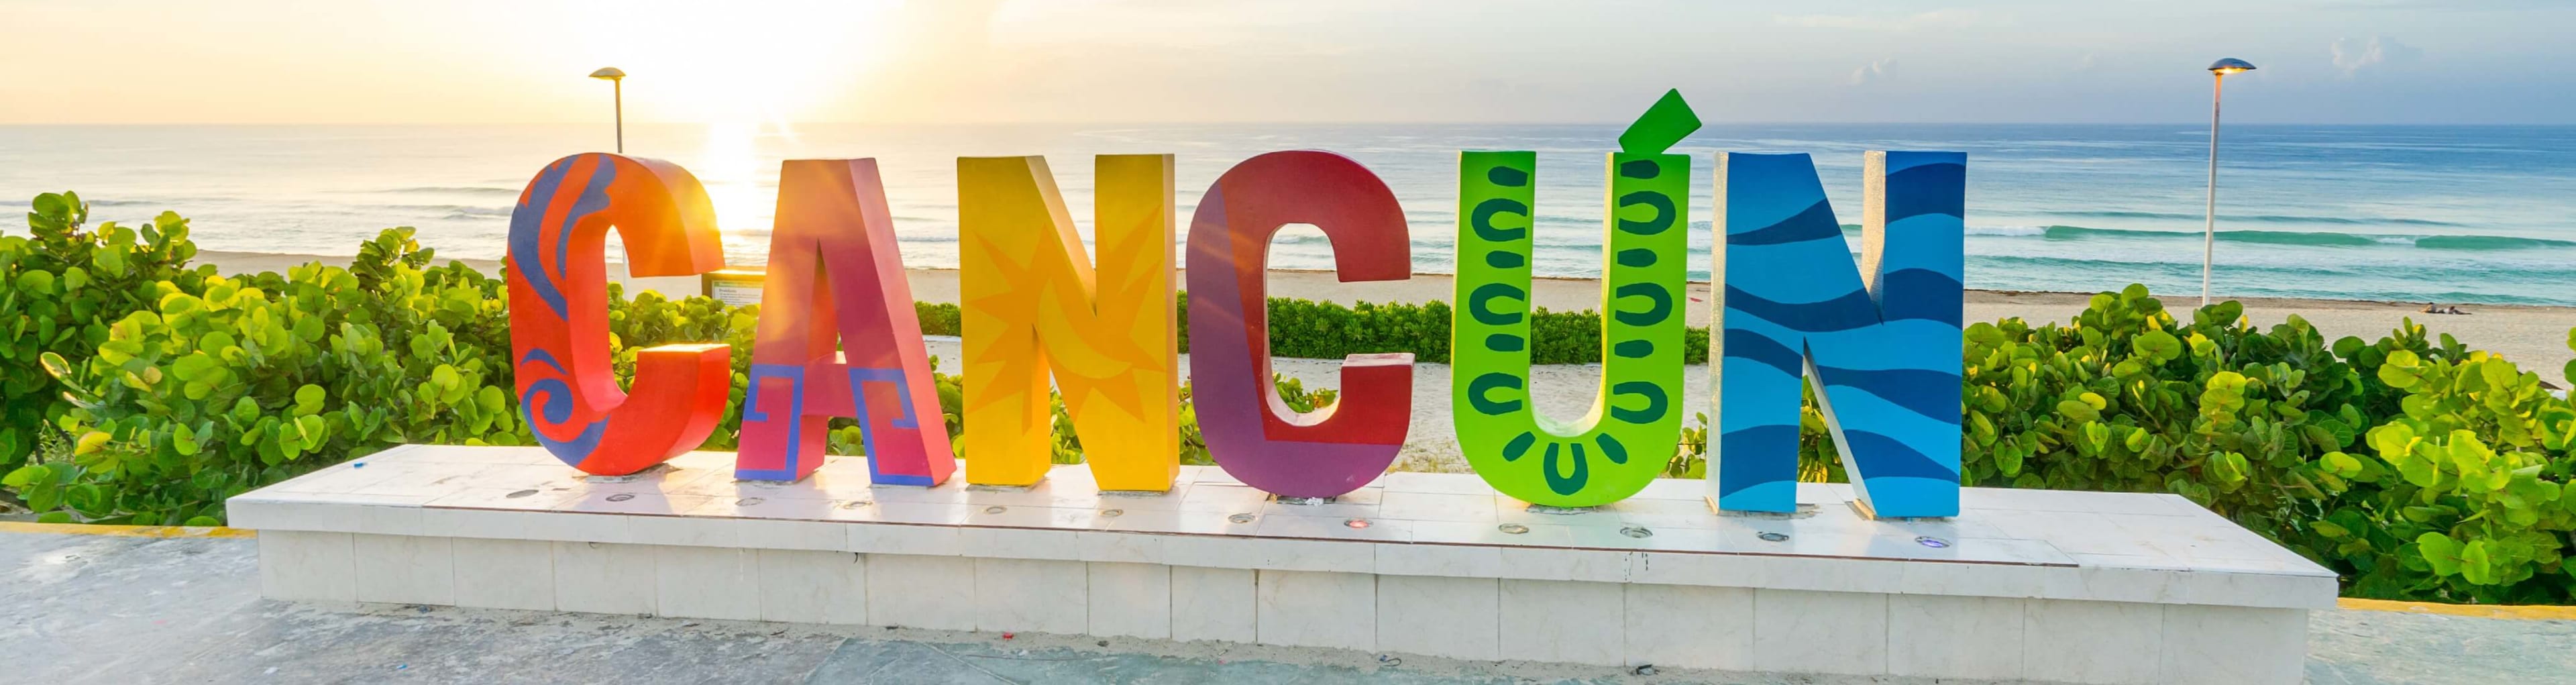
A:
(835, 275)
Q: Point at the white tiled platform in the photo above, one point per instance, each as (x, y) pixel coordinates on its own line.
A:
(2024, 584)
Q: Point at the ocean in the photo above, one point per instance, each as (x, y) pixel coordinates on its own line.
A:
(2468, 214)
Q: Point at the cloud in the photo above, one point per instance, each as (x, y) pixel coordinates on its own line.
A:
(1874, 71)
(1940, 19)
(2378, 52)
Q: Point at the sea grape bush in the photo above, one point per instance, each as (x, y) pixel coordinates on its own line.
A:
(60, 289)
(141, 389)
(2463, 494)
(234, 383)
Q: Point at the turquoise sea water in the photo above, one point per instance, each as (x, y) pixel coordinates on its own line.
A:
(2480, 214)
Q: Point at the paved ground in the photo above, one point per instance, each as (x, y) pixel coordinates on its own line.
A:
(106, 609)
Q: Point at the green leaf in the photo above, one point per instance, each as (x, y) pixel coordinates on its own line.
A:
(195, 367)
(2476, 565)
(27, 475)
(2440, 551)
(184, 441)
(2157, 345)
(37, 281)
(58, 368)
(308, 399)
(313, 431)
(90, 443)
(2401, 370)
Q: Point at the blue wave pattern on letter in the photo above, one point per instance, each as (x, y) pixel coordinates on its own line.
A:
(1882, 348)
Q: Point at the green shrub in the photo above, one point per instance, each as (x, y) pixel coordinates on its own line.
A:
(249, 381)
(59, 291)
(2460, 496)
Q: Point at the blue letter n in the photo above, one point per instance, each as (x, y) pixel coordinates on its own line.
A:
(1883, 353)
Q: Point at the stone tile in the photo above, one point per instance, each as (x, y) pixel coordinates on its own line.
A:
(1132, 600)
(606, 578)
(1453, 561)
(2092, 642)
(1455, 618)
(1437, 483)
(1120, 547)
(1434, 506)
(542, 526)
(807, 586)
(1044, 596)
(1720, 570)
(1588, 565)
(684, 531)
(307, 566)
(1270, 553)
(2258, 590)
(707, 582)
(505, 574)
(403, 569)
(1213, 604)
(1827, 574)
(1224, 499)
(1361, 503)
(1954, 637)
(916, 591)
(2215, 644)
(908, 540)
(1819, 632)
(1312, 609)
(1564, 621)
(1348, 528)
(815, 536)
(1689, 626)
(1015, 543)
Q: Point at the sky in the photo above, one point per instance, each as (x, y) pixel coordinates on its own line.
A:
(1090, 61)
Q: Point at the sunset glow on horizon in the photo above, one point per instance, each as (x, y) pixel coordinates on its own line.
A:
(770, 62)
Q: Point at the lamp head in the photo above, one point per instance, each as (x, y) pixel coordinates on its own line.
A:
(2230, 65)
(612, 73)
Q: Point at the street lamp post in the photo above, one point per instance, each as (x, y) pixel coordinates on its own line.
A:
(2218, 72)
(617, 84)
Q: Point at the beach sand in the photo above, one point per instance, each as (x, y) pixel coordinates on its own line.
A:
(2535, 337)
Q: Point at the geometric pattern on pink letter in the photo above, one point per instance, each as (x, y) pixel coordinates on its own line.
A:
(836, 280)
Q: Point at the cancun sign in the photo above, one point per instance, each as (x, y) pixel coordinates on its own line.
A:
(1878, 341)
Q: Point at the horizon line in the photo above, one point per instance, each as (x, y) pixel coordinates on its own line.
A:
(1406, 122)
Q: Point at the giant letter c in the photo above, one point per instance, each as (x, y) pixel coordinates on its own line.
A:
(559, 312)
(1252, 433)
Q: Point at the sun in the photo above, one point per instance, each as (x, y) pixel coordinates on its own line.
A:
(736, 63)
